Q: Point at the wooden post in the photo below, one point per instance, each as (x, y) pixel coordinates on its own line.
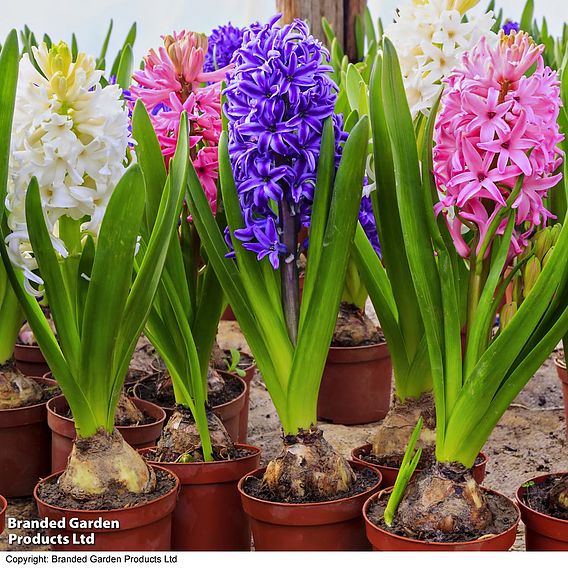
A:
(341, 15)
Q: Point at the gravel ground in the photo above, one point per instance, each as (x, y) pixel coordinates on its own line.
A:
(530, 438)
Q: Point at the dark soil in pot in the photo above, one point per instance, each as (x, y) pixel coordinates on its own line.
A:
(389, 466)
(141, 435)
(335, 524)
(356, 383)
(209, 514)
(25, 444)
(228, 404)
(144, 521)
(545, 519)
(499, 536)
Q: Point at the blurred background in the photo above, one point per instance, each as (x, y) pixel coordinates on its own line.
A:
(89, 20)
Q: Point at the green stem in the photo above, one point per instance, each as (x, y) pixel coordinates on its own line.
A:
(289, 271)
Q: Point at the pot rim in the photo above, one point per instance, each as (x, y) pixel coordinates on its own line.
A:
(523, 506)
(32, 406)
(159, 420)
(256, 452)
(3, 505)
(440, 545)
(484, 461)
(26, 346)
(175, 489)
(290, 506)
(357, 347)
(560, 363)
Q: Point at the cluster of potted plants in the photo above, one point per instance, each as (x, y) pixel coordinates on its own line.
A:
(252, 168)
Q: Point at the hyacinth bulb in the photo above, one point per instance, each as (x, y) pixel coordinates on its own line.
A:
(71, 134)
(498, 122)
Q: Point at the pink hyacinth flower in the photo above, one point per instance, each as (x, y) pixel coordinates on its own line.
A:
(497, 123)
(172, 82)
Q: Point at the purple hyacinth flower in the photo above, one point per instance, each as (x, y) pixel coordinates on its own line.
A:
(279, 96)
(267, 241)
(510, 26)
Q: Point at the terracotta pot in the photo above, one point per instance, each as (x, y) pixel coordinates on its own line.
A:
(542, 532)
(332, 525)
(63, 430)
(229, 413)
(3, 507)
(146, 527)
(25, 448)
(563, 376)
(209, 515)
(385, 541)
(356, 385)
(228, 314)
(390, 473)
(30, 360)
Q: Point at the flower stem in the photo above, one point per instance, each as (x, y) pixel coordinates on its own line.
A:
(289, 271)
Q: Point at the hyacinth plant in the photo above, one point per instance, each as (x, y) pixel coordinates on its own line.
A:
(493, 165)
(174, 86)
(76, 223)
(280, 170)
(423, 25)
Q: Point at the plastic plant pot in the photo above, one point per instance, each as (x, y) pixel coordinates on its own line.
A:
(30, 360)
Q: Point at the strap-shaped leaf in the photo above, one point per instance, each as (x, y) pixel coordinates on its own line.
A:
(124, 72)
(385, 208)
(230, 278)
(149, 273)
(316, 331)
(110, 284)
(417, 240)
(268, 314)
(63, 307)
(149, 156)
(128, 40)
(9, 72)
(320, 212)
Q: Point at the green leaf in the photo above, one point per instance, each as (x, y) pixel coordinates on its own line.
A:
(9, 59)
(151, 160)
(385, 208)
(74, 47)
(527, 17)
(59, 299)
(414, 222)
(109, 287)
(124, 73)
(231, 280)
(129, 40)
(101, 59)
(320, 212)
(316, 328)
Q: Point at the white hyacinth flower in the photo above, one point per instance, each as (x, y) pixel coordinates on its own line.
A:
(72, 135)
(430, 37)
